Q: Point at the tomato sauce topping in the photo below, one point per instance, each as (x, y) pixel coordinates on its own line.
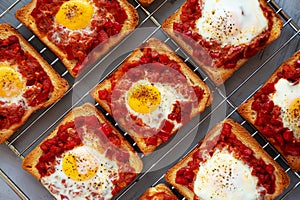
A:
(211, 52)
(69, 136)
(156, 60)
(78, 46)
(38, 83)
(158, 64)
(268, 114)
(264, 172)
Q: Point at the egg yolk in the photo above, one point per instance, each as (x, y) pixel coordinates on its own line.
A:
(10, 82)
(294, 109)
(144, 98)
(71, 168)
(75, 14)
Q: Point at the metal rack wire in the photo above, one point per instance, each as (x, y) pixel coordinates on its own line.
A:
(226, 98)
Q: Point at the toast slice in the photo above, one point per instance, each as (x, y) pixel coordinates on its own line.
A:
(104, 161)
(275, 116)
(158, 192)
(152, 94)
(79, 40)
(214, 37)
(28, 82)
(228, 163)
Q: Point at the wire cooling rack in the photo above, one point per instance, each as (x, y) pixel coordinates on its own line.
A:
(227, 97)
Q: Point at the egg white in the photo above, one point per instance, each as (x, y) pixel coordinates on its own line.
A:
(14, 100)
(224, 177)
(101, 183)
(285, 93)
(231, 21)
